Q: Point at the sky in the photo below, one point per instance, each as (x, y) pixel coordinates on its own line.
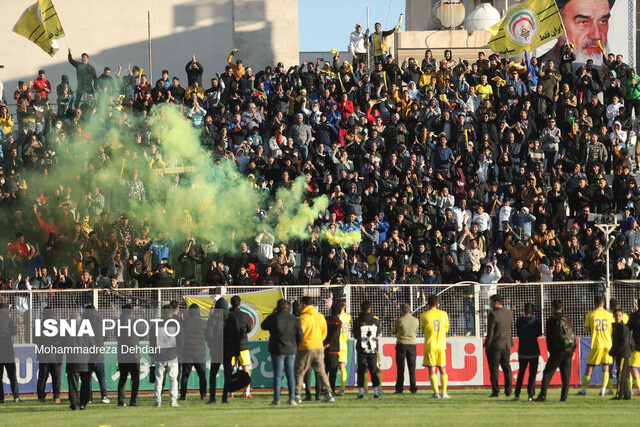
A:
(326, 25)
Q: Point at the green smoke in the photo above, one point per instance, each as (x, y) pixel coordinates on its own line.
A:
(212, 204)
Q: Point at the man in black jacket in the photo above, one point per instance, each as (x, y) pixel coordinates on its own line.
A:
(168, 342)
(285, 335)
(366, 330)
(78, 370)
(221, 333)
(189, 259)
(244, 327)
(498, 344)
(161, 278)
(194, 71)
(558, 357)
(85, 74)
(634, 363)
(193, 353)
(97, 366)
(128, 357)
(7, 358)
(47, 364)
(332, 345)
(528, 329)
(621, 351)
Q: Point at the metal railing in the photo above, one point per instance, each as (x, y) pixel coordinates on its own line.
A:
(466, 303)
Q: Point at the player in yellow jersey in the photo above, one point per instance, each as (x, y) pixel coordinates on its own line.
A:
(598, 324)
(435, 325)
(345, 318)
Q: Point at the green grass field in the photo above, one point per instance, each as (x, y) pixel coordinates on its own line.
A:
(466, 407)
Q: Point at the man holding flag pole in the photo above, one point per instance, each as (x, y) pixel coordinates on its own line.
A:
(85, 74)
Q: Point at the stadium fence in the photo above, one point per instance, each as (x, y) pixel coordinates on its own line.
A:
(466, 303)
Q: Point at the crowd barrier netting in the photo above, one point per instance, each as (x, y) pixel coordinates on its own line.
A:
(466, 303)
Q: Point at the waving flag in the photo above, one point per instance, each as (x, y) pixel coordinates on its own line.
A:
(40, 24)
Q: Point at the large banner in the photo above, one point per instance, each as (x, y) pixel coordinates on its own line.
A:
(261, 371)
(586, 22)
(466, 364)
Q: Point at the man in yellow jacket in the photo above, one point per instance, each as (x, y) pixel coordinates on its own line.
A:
(238, 68)
(311, 350)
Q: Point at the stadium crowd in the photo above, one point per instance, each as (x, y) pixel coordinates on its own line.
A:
(449, 170)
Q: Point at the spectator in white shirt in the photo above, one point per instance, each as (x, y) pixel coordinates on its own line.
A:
(506, 211)
(461, 214)
(490, 277)
(618, 137)
(445, 201)
(358, 43)
(483, 219)
(613, 110)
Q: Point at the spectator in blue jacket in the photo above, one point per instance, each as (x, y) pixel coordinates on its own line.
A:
(160, 248)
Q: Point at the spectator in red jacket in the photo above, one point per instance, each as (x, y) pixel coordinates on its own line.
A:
(19, 247)
(41, 85)
(50, 227)
(345, 107)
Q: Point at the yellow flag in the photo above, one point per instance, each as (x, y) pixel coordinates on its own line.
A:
(258, 305)
(205, 304)
(526, 26)
(40, 24)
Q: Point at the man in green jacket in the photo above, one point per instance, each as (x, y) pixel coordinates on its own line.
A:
(632, 99)
(85, 74)
(405, 330)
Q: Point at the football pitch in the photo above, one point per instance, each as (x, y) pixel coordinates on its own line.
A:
(466, 407)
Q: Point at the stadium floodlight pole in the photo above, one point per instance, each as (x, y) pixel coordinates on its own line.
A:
(607, 229)
(149, 43)
(367, 44)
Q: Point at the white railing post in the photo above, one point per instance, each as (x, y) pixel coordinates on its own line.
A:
(476, 308)
(94, 297)
(542, 317)
(411, 293)
(30, 317)
(159, 304)
(347, 296)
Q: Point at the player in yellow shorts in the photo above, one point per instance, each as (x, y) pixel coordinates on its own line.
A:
(435, 325)
(244, 359)
(634, 364)
(598, 324)
(345, 318)
(244, 327)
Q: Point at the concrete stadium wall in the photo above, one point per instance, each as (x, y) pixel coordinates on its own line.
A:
(115, 31)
